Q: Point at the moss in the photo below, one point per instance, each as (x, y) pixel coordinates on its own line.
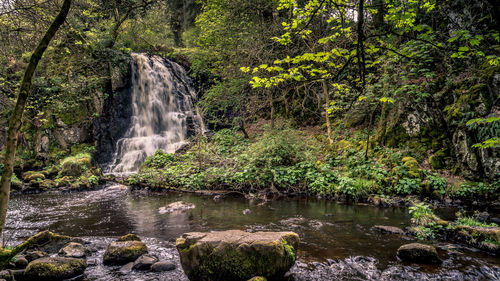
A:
(123, 252)
(412, 165)
(240, 262)
(55, 268)
(129, 237)
(75, 165)
(45, 241)
(33, 175)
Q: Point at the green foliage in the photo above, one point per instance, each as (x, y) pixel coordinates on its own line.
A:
(437, 183)
(159, 159)
(407, 186)
(422, 214)
(469, 221)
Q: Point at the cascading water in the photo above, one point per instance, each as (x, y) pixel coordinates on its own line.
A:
(162, 112)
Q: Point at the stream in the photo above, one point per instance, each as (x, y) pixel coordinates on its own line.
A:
(336, 240)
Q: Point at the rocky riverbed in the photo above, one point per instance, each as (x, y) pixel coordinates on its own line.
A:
(337, 241)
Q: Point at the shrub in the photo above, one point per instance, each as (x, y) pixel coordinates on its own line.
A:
(438, 183)
(159, 159)
(407, 186)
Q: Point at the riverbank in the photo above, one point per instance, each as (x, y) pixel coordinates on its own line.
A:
(290, 161)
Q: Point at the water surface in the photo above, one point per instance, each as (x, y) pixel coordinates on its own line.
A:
(330, 233)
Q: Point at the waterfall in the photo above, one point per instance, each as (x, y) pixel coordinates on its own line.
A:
(162, 112)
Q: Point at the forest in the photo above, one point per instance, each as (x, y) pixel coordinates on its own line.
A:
(298, 123)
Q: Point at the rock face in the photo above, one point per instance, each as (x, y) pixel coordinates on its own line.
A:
(57, 268)
(388, 229)
(418, 253)
(122, 252)
(178, 206)
(236, 255)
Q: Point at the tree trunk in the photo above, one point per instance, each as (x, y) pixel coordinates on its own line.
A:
(327, 104)
(17, 114)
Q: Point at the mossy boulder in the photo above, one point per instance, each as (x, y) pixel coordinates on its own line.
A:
(418, 253)
(33, 176)
(75, 166)
(129, 237)
(484, 238)
(56, 268)
(236, 255)
(122, 252)
(45, 241)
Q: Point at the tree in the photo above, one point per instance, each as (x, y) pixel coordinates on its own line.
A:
(17, 114)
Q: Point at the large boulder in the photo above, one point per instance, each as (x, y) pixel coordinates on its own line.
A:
(56, 268)
(236, 255)
(121, 252)
(418, 253)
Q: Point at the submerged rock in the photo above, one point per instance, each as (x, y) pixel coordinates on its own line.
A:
(236, 255)
(163, 266)
(73, 250)
(388, 229)
(418, 253)
(57, 268)
(178, 206)
(122, 252)
(144, 262)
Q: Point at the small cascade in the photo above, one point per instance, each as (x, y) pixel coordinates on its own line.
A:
(163, 114)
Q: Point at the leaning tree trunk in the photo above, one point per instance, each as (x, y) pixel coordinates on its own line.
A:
(17, 114)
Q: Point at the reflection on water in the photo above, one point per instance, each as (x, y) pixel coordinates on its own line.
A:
(327, 230)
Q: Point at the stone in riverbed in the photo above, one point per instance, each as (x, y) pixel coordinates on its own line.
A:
(57, 268)
(73, 250)
(388, 229)
(178, 206)
(20, 261)
(34, 255)
(418, 253)
(144, 262)
(163, 266)
(122, 252)
(236, 255)
(129, 237)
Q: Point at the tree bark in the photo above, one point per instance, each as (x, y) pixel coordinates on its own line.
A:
(327, 104)
(17, 114)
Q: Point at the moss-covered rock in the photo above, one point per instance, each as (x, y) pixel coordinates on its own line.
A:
(33, 176)
(129, 237)
(484, 238)
(56, 268)
(122, 252)
(418, 253)
(237, 255)
(76, 165)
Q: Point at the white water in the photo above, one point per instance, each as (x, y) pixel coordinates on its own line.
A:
(162, 101)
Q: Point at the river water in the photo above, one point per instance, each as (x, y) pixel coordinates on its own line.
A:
(336, 240)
